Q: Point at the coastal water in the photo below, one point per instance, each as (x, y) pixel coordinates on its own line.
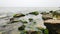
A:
(4, 11)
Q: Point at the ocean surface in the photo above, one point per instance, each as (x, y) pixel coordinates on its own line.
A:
(26, 9)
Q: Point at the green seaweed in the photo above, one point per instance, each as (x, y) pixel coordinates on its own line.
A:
(21, 28)
(30, 19)
(34, 13)
(23, 21)
(18, 15)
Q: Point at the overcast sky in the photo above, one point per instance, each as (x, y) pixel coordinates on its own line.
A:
(29, 3)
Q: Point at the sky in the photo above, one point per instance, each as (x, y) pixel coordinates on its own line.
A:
(29, 3)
